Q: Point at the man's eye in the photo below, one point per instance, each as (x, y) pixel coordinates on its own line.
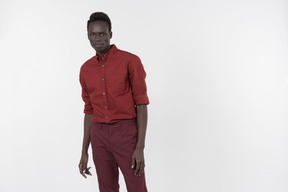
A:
(101, 34)
(92, 34)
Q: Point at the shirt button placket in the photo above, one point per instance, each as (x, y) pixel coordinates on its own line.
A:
(104, 91)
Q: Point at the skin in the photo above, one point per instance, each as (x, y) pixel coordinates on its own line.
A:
(99, 37)
(86, 142)
(138, 156)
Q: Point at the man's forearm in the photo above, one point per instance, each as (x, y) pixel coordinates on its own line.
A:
(142, 125)
(87, 127)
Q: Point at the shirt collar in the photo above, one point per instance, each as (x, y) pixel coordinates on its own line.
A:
(108, 54)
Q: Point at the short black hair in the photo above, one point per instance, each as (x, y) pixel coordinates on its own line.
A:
(99, 16)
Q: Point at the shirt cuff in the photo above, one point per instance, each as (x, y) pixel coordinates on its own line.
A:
(88, 111)
(141, 99)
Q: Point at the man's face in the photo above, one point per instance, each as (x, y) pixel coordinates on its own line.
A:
(99, 36)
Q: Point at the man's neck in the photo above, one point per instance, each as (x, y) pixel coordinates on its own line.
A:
(100, 54)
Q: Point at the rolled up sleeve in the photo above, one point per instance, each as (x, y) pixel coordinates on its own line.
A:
(137, 77)
(88, 109)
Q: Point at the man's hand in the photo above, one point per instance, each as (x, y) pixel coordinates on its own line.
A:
(83, 165)
(138, 161)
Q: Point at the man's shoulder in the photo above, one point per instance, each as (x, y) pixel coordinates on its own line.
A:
(89, 62)
(126, 54)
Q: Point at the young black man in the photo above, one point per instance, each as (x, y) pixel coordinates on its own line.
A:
(115, 96)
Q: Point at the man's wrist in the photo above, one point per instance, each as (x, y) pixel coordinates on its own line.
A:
(84, 152)
(140, 146)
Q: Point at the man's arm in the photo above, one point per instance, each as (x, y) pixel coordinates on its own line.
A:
(86, 142)
(138, 155)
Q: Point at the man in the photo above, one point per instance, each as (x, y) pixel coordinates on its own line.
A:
(115, 96)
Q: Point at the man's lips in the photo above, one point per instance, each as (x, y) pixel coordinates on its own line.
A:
(98, 44)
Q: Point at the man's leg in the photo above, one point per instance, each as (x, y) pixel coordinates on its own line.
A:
(106, 166)
(124, 143)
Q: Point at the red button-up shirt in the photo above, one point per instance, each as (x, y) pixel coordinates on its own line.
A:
(112, 85)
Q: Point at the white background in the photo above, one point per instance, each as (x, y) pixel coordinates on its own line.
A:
(217, 78)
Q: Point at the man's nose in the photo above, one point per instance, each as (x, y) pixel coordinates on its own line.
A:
(96, 38)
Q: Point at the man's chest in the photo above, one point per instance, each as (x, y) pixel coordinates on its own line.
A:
(113, 78)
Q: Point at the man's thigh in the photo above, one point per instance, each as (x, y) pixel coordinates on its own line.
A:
(124, 143)
(105, 163)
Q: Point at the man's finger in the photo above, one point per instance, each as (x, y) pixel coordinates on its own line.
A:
(137, 168)
(82, 170)
(133, 163)
(141, 169)
(84, 175)
(87, 171)
(88, 168)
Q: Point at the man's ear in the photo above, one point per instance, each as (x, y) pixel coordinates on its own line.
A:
(111, 34)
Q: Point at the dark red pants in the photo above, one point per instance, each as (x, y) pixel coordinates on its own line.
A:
(112, 146)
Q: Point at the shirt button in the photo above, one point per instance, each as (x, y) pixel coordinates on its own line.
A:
(106, 117)
(103, 93)
(102, 79)
(105, 107)
(102, 65)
